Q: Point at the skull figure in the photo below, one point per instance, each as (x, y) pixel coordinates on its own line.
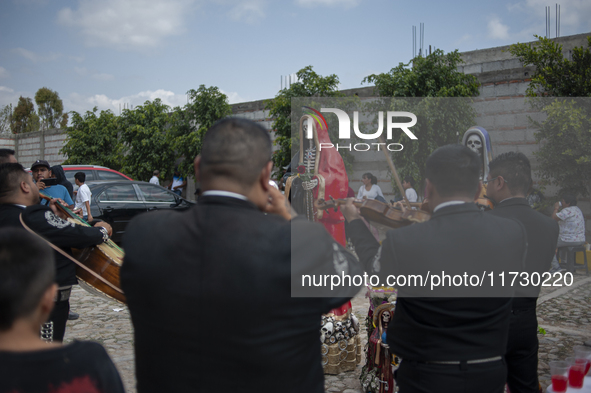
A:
(355, 322)
(352, 331)
(338, 326)
(386, 317)
(475, 144)
(340, 336)
(326, 331)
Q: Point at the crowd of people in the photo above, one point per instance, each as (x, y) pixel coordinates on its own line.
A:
(236, 259)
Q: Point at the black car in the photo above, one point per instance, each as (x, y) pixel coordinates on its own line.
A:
(117, 202)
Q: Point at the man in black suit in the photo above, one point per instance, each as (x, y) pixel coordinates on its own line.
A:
(208, 289)
(19, 195)
(451, 338)
(508, 181)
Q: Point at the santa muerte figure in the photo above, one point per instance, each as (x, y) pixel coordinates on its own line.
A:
(322, 174)
(478, 140)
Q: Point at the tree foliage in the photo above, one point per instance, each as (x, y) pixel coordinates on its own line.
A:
(144, 133)
(50, 109)
(435, 75)
(146, 138)
(5, 118)
(24, 118)
(93, 140)
(564, 157)
(428, 79)
(555, 75)
(207, 105)
(309, 84)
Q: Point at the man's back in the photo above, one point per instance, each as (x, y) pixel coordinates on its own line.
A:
(542, 233)
(209, 295)
(77, 367)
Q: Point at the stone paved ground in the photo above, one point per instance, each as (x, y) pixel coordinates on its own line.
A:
(564, 313)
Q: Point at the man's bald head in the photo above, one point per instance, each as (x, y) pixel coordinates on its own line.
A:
(236, 150)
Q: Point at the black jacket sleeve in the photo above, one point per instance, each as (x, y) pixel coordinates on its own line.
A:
(62, 233)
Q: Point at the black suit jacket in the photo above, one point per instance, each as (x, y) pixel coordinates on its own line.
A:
(457, 238)
(542, 235)
(61, 233)
(208, 290)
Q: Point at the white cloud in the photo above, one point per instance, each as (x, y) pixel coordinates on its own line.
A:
(130, 24)
(77, 59)
(4, 73)
(249, 11)
(497, 30)
(329, 3)
(35, 57)
(233, 97)
(6, 89)
(103, 77)
(80, 103)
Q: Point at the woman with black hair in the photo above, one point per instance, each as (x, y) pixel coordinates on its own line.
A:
(370, 188)
(58, 172)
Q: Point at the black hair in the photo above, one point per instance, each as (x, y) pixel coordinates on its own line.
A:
(80, 176)
(515, 168)
(570, 199)
(374, 180)
(454, 170)
(27, 269)
(11, 174)
(4, 154)
(410, 180)
(237, 149)
(60, 175)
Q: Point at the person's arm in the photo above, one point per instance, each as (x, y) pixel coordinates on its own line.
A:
(555, 212)
(62, 233)
(279, 205)
(87, 203)
(360, 193)
(379, 191)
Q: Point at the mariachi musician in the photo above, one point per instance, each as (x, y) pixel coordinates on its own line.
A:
(19, 206)
(322, 173)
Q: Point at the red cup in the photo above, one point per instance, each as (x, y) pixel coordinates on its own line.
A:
(576, 373)
(559, 372)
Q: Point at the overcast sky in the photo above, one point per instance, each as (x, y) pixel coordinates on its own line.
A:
(108, 53)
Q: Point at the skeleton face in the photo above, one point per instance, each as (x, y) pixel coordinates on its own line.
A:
(386, 316)
(340, 336)
(327, 329)
(355, 322)
(338, 326)
(475, 144)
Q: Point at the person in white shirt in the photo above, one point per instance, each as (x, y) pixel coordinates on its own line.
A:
(154, 179)
(410, 192)
(370, 188)
(571, 223)
(83, 196)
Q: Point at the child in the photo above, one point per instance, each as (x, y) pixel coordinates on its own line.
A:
(28, 363)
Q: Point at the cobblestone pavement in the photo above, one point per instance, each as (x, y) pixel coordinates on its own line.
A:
(564, 312)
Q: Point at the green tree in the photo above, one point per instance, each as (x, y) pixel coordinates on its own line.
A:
(5, 118)
(435, 75)
(309, 84)
(564, 137)
(428, 80)
(50, 109)
(556, 76)
(93, 140)
(207, 105)
(24, 118)
(145, 133)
